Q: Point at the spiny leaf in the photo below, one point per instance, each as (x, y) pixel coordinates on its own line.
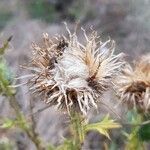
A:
(103, 126)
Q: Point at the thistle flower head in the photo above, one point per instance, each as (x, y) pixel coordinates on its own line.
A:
(71, 75)
(133, 85)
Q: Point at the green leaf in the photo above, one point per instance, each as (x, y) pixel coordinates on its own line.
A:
(8, 123)
(102, 127)
(144, 132)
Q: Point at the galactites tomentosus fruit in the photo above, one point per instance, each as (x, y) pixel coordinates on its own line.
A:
(71, 75)
(133, 85)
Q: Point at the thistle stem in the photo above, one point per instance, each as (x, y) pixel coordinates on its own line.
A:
(77, 130)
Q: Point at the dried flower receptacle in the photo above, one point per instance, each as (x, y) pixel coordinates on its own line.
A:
(71, 75)
(133, 85)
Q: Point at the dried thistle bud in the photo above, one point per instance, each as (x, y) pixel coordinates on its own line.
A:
(71, 75)
(133, 85)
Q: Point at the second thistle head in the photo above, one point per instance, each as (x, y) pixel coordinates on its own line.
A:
(133, 85)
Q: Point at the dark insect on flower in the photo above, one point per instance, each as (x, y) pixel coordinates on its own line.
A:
(62, 45)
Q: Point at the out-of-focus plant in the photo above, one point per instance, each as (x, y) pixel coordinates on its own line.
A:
(6, 144)
(41, 9)
(7, 90)
(5, 16)
(58, 10)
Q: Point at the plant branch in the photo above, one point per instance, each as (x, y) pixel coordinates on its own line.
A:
(30, 131)
(77, 129)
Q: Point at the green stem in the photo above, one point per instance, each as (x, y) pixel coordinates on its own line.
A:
(77, 130)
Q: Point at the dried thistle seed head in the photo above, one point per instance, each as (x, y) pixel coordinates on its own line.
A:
(71, 75)
(133, 85)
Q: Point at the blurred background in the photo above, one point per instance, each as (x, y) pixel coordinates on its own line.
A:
(125, 21)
